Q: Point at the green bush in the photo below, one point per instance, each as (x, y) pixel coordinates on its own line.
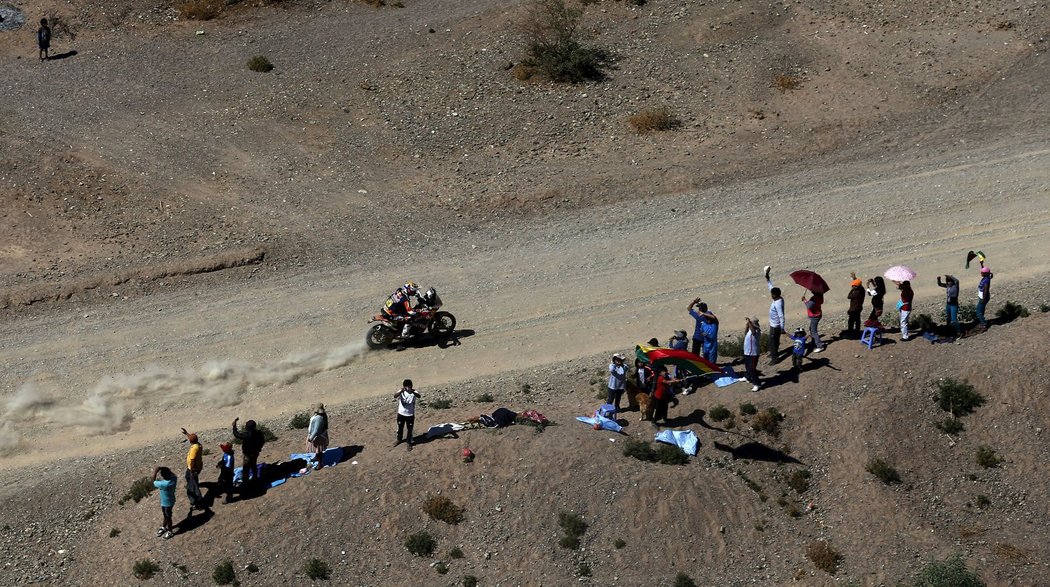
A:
(139, 490)
(440, 404)
(767, 421)
(1044, 308)
(421, 544)
(638, 449)
(799, 481)
(554, 44)
(958, 397)
(260, 64)
(441, 508)
(923, 322)
(583, 570)
(951, 572)
(441, 568)
(470, 581)
(881, 469)
(570, 542)
(671, 455)
(719, 413)
(114, 532)
(572, 524)
(987, 458)
(983, 501)
(734, 347)
(144, 569)
(455, 553)
(485, 398)
(967, 313)
(683, 580)
(317, 569)
(823, 556)
(252, 568)
(748, 409)
(299, 421)
(619, 543)
(950, 426)
(224, 574)
(1011, 311)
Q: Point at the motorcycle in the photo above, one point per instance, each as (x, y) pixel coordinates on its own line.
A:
(427, 318)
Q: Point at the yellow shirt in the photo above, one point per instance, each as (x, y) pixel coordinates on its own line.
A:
(194, 460)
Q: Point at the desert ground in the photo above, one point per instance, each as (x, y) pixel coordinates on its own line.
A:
(185, 241)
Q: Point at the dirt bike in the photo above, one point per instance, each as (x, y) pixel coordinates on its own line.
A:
(386, 330)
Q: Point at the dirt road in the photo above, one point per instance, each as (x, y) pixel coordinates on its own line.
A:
(600, 280)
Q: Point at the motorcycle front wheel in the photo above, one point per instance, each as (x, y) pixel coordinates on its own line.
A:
(443, 325)
(379, 337)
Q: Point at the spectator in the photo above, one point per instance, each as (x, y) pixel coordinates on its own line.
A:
(856, 306)
(406, 411)
(43, 39)
(707, 330)
(662, 394)
(252, 441)
(904, 305)
(617, 380)
(225, 466)
(678, 341)
(877, 290)
(752, 338)
(166, 487)
(813, 311)
(317, 435)
(984, 293)
(194, 466)
(643, 374)
(798, 348)
(951, 303)
(777, 322)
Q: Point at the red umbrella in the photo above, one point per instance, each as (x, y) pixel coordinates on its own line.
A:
(810, 280)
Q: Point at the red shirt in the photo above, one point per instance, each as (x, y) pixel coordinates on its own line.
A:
(813, 307)
(660, 390)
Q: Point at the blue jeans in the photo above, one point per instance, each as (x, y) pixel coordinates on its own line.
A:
(980, 311)
(711, 349)
(952, 311)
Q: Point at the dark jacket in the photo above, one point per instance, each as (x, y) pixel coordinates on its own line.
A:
(252, 441)
(856, 298)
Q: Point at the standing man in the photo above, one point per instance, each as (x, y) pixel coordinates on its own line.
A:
(777, 323)
(813, 312)
(406, 411)
(194, 466)
(617, 380)
(904, 305)
(856, 297)
(317, 435)
(252, 441)
(951, 302)
(752, 337)
(43, 39)
(984, 293)
(707, 330)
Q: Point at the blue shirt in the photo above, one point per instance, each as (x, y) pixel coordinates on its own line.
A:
(166, 487)
(705, 327)
(799, 344)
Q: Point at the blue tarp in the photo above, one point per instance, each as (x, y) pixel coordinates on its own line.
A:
(683, 439)
(606, 423)
(729, 378)
(330, 458)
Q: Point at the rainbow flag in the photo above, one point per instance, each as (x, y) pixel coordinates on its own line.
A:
(683, 361)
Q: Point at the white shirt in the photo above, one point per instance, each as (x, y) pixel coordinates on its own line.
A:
(750, 344)
(406, 403)
(617, 374)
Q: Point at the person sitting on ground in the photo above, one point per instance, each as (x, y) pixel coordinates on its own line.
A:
(166, 488)
(252, 441)
(317, 435)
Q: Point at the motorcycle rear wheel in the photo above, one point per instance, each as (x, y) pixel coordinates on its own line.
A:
(379, 337)
(444, 325)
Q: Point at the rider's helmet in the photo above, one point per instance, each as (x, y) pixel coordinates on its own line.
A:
(410, 288)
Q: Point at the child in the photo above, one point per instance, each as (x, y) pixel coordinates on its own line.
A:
(43, 39)
(166, 487)
(225, 466)
(798, 342)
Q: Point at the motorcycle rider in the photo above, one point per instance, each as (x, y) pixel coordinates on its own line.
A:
(398, 307)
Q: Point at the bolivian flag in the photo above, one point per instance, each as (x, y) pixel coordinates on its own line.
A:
(683, 361)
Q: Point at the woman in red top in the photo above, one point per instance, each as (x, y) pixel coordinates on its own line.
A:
(662, 394)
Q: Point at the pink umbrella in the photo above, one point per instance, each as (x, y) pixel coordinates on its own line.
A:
(900, 273)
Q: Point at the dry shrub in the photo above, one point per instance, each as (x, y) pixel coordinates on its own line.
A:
(441, 508)
(523, 73)
(824, 557)
(767, 421)
(201, 9)
(784, 82)
(374, 3)
(655, 119)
